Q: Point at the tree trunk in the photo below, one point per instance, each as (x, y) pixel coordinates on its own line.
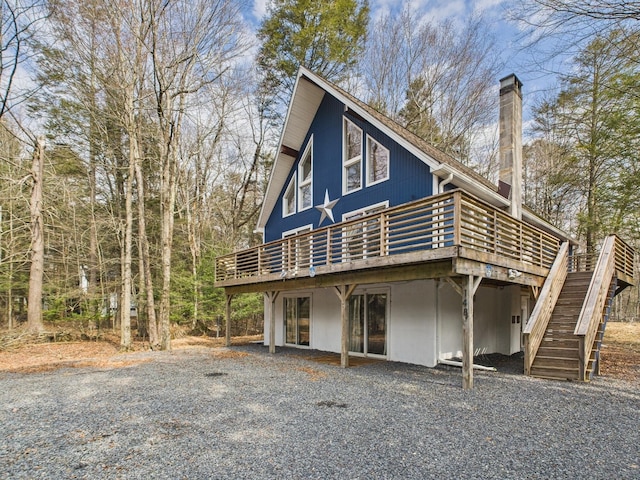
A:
(92, 290)
(125, 322)
(34, 308)
(145, 265)
(194, 247)
(168, 204)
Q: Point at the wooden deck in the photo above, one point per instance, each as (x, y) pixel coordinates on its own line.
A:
(450, 234)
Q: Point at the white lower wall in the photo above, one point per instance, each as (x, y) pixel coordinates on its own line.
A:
(326, 326)
(424, 320)
(449, 321)
(412, 323)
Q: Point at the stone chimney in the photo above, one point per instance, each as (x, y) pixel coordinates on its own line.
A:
(510, 183)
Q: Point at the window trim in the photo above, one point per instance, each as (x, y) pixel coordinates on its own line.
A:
(375, 290)
(348, 162)
(296, 296)
(308, 151)
(346, 216)
(292, 233)
(360, 234)
(290, 186)
(297, 230)
(369, 167)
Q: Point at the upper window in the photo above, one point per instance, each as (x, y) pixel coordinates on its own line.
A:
(305, 177)
(289, 199)
(296, 254)
(362, 239)
(378, 207)
(377, 162)
(352, 158)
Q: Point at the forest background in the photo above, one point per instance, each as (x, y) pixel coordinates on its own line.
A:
(137, 136)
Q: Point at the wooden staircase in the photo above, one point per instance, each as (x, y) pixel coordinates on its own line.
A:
(558, 354)
(564, 333)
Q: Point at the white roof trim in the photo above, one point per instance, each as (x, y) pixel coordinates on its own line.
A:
(283, 162)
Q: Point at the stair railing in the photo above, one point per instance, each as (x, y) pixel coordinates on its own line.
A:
(605, 318)
(594, 303)
(533, 332)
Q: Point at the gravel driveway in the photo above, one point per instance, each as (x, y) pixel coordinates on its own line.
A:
(242, 413)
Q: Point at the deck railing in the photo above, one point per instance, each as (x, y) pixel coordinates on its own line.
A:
(446, 220)
(625, 258)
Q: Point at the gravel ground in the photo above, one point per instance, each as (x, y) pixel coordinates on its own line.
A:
(243, 413)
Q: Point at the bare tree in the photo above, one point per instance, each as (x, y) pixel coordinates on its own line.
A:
(434, 78)
(606, 10)
(14, 225)
(554, 30)
(192, 44)
(18, 22)
(34, 313)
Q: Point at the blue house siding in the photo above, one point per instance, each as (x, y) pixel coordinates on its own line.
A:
(409, 177)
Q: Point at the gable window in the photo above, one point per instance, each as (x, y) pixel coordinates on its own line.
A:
(289, 199)
(352, 158)
(377, 162)
(305, 176)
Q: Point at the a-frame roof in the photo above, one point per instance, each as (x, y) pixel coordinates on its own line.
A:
(307, 95)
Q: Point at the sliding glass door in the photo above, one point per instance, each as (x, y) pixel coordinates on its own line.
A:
(297, 320)
(368, 323)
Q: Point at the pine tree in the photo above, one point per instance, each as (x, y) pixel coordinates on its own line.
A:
(325, 37)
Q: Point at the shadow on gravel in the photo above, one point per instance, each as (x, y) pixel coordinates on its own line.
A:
(506, 364)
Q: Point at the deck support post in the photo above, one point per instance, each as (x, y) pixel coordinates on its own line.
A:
(467, 290)
(272, 296)
(227, 332)
(344, 293)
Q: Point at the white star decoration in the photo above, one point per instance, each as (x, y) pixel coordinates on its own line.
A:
(326, 207)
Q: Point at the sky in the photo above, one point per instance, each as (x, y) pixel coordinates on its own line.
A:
(534, 76)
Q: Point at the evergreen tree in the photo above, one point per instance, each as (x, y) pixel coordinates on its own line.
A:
(325, 37)
(595, 115)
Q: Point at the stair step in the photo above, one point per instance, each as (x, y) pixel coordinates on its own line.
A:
(567, 302)
(577, 275)
(574, 288)
(562, 352)
(565, 313)
(559, 342)
(558, 355)
(556, 362)
(564, 318)
(562, 322)
(560, 330)
(555, 373)
(576, 283)
(573, 309)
